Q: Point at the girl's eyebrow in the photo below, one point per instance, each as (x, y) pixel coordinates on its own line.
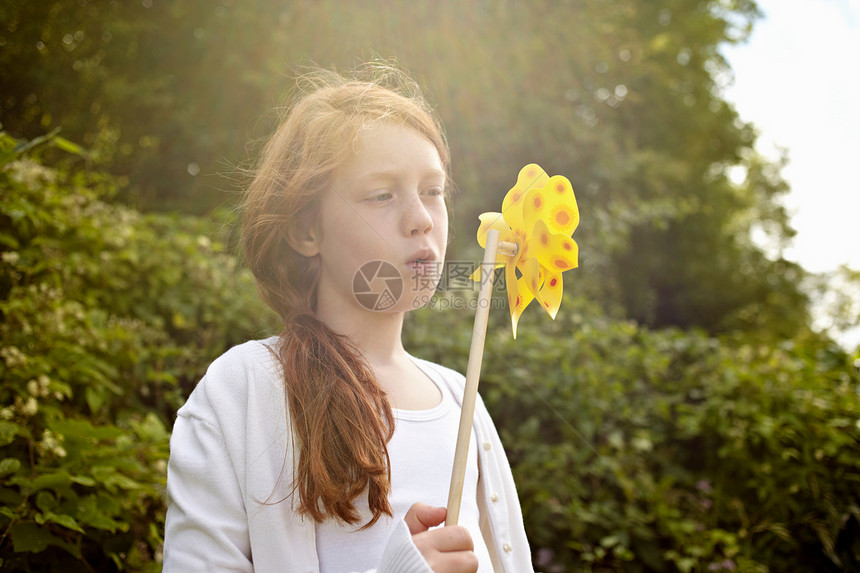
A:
(385, 174)
(392, 174)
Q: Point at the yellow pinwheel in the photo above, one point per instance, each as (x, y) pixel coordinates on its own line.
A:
(538, 217)
(539, 214)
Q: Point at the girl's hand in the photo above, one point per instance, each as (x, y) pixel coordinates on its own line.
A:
(446, 549)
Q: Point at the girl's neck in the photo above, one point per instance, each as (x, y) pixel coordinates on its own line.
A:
(376, 334)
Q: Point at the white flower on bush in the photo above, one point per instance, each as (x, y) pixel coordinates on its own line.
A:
(10, 257)
(12, 356)
(27, 407)
(30, 173)
(51, 443)
(39, 386)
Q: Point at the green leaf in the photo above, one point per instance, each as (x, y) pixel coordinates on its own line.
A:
(30, 537)
(52, 481)
(67, 145)
(9, 240)
(9, 466)
(8, 431)
(95, 398)
(6, 157)
(111, 477)
(84, 430)
(24, 146)
(84, 480)
(46, 501)
(91, 514)
(65, 520)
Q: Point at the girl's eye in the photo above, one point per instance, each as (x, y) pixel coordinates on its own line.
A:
(381, 197)
(435, 191)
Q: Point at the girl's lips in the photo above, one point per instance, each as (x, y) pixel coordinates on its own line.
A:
(424, 263)
(422, 257)
(421, 264)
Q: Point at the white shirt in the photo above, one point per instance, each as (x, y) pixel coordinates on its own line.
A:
(229, 478)
(421, 453)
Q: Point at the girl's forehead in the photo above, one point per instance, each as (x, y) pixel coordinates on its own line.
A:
(387, 148)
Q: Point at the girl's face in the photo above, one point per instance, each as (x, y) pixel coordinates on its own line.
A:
(383, 211)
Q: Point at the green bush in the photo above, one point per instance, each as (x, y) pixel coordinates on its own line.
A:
(636, 450)
(107, 319)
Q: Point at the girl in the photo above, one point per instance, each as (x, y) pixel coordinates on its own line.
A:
(329, 448)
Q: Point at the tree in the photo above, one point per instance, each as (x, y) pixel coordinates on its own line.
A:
(623, 97)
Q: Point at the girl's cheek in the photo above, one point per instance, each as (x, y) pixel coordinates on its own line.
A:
(439, 211)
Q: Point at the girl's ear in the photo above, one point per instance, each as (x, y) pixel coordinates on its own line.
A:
(304, 238)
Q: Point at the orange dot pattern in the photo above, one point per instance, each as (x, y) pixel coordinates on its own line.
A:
(539, 214)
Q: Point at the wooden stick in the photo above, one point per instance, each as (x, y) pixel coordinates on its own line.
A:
(473, 373)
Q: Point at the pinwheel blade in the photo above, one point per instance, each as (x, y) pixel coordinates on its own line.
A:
(539, 214)
(550, 293)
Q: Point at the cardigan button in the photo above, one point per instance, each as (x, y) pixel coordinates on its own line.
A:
(507, 547)
(494, 497)
(487, 446)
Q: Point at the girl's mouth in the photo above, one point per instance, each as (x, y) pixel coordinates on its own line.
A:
(422, 259)
(420, 263)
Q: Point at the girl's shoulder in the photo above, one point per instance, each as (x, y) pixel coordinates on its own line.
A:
(251, 358)
(239, 376)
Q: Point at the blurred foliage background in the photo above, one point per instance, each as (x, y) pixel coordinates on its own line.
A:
(682, 414)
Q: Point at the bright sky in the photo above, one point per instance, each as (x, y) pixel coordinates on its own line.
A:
(797, 79)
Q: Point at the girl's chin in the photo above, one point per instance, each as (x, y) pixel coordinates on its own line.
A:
(413, 300)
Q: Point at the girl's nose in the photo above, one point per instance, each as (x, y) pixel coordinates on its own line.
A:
(417, 220)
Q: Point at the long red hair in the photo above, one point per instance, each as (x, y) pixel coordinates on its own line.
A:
(340, 416)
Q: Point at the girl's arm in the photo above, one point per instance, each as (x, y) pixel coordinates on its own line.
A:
(206, 525)
(414, 548)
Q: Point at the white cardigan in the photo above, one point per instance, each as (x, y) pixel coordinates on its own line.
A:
(229, 479)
